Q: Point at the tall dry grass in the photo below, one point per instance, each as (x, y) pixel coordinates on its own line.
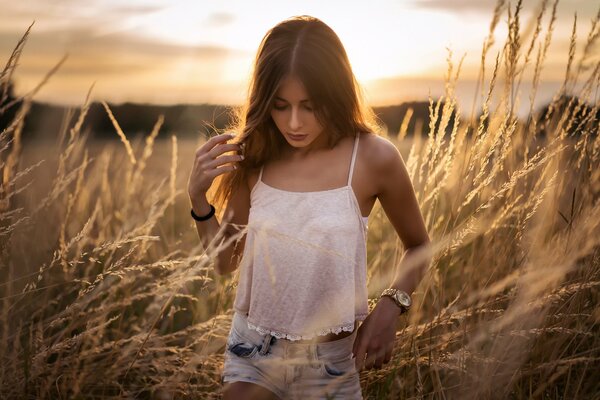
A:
(105, 291)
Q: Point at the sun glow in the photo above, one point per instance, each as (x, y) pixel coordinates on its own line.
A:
(381, 44)
(205, 50)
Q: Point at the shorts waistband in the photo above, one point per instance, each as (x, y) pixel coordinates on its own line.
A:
(240, 322)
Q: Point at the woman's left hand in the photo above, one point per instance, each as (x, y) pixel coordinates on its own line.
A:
(375, 336)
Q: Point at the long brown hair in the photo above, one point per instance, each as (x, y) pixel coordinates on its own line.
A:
(307, 48)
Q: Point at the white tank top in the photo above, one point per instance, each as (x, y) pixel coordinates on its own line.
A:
(303, 269)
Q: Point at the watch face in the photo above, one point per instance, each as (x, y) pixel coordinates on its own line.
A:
(403, 299)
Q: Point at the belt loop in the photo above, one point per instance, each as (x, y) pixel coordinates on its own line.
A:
(312, 352)
(265, 345)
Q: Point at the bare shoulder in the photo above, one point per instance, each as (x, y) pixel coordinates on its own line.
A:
(378, 149)
(384, 161)
(395, 190)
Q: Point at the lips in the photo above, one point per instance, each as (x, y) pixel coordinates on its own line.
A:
(297, 137)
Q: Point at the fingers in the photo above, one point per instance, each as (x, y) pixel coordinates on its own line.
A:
(388, 354)
(212, 145)
(206, 162)
(371, 361)
(221, 170)
(213, 141)
(372, 357)
(224, 160)
(223, 148)
(359, 350)
(207, 156)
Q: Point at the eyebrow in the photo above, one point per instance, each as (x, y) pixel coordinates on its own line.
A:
(301, 101)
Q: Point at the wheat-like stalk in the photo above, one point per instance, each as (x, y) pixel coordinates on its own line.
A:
(117, 298)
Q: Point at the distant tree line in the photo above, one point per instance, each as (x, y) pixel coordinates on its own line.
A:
(44, 121)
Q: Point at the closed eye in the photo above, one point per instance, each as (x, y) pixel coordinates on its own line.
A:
(281, 108)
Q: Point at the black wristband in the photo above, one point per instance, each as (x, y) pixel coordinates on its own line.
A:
(207, 216)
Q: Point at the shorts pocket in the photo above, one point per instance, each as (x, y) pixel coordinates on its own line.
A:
(239, 345)
(244, 345)
(243, 350)
(337, 368)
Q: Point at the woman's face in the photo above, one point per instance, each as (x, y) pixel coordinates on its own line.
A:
(293, 114)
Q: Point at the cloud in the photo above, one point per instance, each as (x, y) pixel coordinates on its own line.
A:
(111, 57)
(135, 10)
(458, 6)
(219, 19)
(584, 8)
(89, 41)
(37, 9)
(67, 14)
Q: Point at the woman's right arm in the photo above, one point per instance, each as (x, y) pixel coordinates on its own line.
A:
(207, 165)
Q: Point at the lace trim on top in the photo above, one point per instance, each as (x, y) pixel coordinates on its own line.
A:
(347, 327)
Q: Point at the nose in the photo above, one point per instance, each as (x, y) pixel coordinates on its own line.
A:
(295, 120)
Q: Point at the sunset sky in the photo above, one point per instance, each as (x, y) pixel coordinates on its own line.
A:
(175, 51)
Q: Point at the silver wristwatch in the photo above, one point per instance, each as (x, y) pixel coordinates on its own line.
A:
(400, 297)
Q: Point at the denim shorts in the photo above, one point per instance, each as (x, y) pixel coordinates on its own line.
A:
(290, 369)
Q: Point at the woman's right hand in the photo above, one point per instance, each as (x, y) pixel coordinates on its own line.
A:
(208, 164)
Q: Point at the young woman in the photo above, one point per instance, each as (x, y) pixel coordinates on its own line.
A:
(297, 185)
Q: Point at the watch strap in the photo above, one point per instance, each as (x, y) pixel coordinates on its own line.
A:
(391, 292)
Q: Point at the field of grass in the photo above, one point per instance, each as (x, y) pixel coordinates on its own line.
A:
(106, 292)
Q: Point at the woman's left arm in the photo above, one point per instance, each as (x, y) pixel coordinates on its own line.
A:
(376, 335)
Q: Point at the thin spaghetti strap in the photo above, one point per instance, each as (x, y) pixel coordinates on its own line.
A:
(353, 160)
(260, 173)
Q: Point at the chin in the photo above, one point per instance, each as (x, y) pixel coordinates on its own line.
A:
(299, 145)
